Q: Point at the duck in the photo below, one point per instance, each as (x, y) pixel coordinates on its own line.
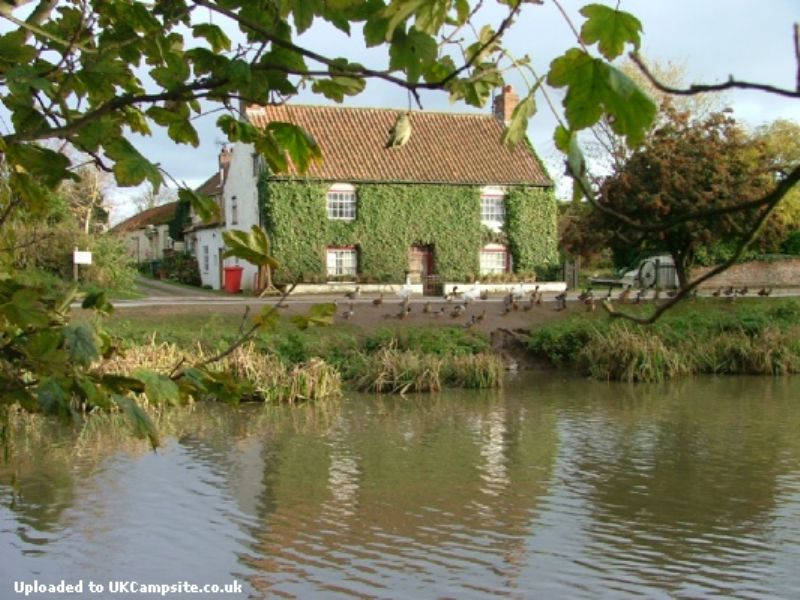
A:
(348, 314)
(353, 294)
(427, 308)
(378, 301)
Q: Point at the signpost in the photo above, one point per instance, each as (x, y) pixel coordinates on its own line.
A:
(80, 258)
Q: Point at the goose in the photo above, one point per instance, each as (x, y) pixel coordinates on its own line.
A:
(404, 292)
(473, 293)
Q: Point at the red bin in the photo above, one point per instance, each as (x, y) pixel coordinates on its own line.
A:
(233, 279)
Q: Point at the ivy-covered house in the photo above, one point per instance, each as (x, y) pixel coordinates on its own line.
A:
(454, 201)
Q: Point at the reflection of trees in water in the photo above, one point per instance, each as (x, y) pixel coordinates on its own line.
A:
(411, 490)
(685, 476)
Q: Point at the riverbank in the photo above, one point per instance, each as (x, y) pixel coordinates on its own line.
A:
(718, 337)
(426, 353)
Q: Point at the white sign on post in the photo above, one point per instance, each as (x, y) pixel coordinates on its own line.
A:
(82, 258)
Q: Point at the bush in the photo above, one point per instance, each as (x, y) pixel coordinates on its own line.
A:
(181, 267)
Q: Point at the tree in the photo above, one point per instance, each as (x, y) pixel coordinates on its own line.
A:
(75, 72)
(684, 167)
(149, 197)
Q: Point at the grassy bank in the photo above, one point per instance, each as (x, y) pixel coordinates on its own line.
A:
(748, 336)
(384, 360)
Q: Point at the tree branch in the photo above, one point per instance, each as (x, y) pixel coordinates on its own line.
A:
(698, 88)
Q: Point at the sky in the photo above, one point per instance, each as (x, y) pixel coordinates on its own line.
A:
(750, 40)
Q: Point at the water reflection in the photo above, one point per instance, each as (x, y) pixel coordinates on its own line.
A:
(556, 487)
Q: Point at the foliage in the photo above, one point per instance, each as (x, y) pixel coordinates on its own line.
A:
(180, 267)
(748, 337)
(111, 266)
(684, 166)
(391, 218)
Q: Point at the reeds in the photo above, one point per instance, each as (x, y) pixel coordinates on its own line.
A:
(272, 380)
(400, 371)
(750, 339)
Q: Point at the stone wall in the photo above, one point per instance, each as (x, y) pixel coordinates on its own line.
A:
(777, 273)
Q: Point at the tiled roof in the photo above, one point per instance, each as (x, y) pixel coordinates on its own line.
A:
(158, 215)
(444, 147)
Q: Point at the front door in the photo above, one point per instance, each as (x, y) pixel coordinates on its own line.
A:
(421, 269)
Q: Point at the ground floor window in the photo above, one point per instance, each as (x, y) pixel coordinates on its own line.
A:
(495, 259)
(205, 259)
(342, 261)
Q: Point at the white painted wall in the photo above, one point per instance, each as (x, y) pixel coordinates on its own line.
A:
(143, 248)
(211, 239)
(241, 187)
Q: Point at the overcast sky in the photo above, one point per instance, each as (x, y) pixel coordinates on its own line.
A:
(749, 39)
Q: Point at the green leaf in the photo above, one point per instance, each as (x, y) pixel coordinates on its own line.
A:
(252, 247)
(80, 341)
(301, 146)
(518, 126)
(268, 319)
(213, 35)
(47, 166)
(143, 426)
(611, 29)
(595, 88)
(130, 167)
(397, 12)
(120, 384)
(205, 206)
(159, 388)
(567, 142)
(412, 52)
(319, 315)
(52, 397)
(98, 302)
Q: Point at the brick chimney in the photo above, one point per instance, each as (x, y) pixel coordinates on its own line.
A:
(225, 156)
(504, 104)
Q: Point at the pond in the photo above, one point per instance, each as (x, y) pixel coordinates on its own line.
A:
(553, 487)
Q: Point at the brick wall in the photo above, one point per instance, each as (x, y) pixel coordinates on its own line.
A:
(779, 273)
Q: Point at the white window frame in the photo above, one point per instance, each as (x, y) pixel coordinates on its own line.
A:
(494, 259)
(493, 207)
(206, 263)
(342, 261)
(341, 202)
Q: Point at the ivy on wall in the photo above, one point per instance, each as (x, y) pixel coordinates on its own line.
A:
(531, 226)
(393, 217)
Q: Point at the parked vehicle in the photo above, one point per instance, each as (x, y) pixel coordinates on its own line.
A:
(653, 271)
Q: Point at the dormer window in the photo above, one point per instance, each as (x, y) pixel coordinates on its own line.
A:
(493, 207)
(341, 202)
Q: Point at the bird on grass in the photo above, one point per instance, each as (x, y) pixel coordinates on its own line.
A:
(764, 292)
(400, 132)
(348, 314)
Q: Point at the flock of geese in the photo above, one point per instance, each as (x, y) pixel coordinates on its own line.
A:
(454, 304)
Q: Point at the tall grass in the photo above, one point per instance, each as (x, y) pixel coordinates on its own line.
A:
(272, 380)
(756, 337)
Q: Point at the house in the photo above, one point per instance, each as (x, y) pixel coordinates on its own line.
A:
(453, 204)
(204, 239)
(146, 234)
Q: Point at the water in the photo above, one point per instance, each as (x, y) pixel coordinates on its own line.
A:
(552, 488)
